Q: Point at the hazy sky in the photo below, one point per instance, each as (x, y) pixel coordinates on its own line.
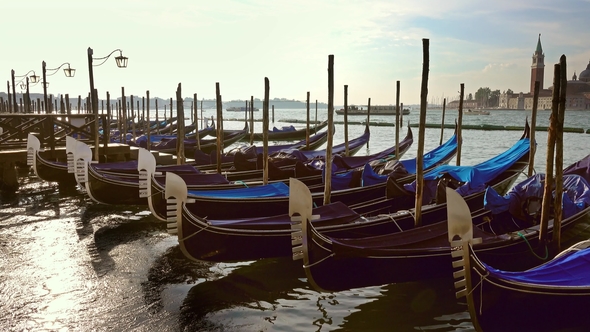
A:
(238, 43)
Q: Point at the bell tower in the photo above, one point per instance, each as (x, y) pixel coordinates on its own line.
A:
(538, 67)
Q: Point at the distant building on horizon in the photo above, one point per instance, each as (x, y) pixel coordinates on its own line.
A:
(578, 88)
(467, 104)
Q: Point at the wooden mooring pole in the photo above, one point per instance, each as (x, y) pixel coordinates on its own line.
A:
(460, 125)
(218, 127)
(196, 110)
(180, 128)
(157, 119)
(124, 113)
(328, 166)
(559, 156)
(346, 148)
(307, 122)
(368, 116)
(421, 131)
(397, 123)
(149, 129)
(547, 192)
(251, 120)
(133, 120)
(265, 131)
(316, 113)
(106, 129)
(533, 144)
(442, 124)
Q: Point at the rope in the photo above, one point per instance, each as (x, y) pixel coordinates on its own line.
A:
(156, 193)
(531, 248)
(241, 182)
(481, 291)
(195, 233)
(482, 278)
(321, 260)
(395, 222)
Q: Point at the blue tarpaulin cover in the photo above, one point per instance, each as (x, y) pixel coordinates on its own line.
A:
(340, 181)
(369, 177)
(278, 189)
(568, 270)
(473, 177)
(576, 195)
(433, 157)
(131, 167)
(284, 128)
(305, 156)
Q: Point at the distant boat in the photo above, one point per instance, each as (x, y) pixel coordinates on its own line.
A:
(240, 109)
(477, 112)
(375, 110)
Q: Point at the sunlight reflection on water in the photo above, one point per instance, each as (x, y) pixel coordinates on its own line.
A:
(70, 264)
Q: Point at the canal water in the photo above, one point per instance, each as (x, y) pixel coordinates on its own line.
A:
(69, 264)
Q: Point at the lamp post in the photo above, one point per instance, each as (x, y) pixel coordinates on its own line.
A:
(34, 78)
(69, 72)
(121, 63)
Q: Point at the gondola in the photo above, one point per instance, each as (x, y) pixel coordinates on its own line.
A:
(115, 183)
(78, 152)
(121, 183)
(209, 160)
(122, 189)
(141, 126)
(157, 203)
(152, 186)
(510, 241)
(553, 296)
(47, 170)
(170, 127)
(247, 203)
(206, 145)
(291, 156)
(282, 163)
(141, 141)
(253, 238)
(208, 129)
(306, 164)
(401, 193)
(289, 133)
(287, 163)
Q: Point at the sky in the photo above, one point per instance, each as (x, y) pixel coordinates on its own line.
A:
(239, 43)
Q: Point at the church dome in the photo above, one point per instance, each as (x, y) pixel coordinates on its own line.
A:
(585, 75)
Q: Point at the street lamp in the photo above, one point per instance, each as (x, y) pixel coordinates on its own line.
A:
(33, 78)
(121, 63)
(69, 72)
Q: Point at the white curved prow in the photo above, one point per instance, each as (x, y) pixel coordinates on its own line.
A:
(33, 146)
(71, 144)
(175, 187)
(146, 166)
(459, 217)
(460, 228)
(82, 157)
(300, 211)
